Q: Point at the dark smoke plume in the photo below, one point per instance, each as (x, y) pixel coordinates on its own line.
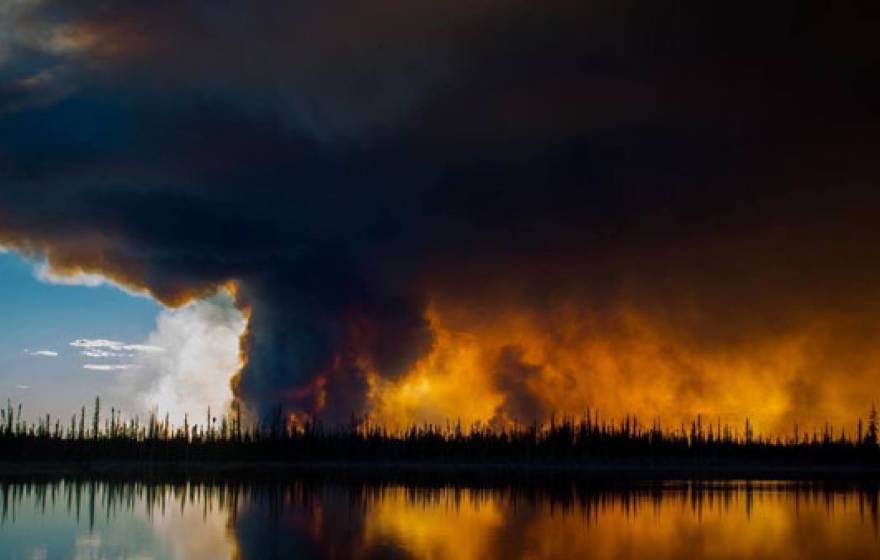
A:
(349, 165)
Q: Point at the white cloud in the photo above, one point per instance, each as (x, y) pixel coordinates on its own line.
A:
(199, 354)
(41, 353)
(98, 347)
(106, 348)
(23, 387)
(44, 273)
(101, 354)
(97, 343)
(110, 367)
(143, 348)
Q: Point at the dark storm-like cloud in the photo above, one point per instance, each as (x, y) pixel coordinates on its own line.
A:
(350, 163)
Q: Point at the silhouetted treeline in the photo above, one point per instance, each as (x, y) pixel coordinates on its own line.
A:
(588, 440)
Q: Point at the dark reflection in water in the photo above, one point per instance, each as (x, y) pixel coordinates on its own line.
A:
(314, 519)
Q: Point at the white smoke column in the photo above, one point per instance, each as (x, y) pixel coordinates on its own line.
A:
(200, 343)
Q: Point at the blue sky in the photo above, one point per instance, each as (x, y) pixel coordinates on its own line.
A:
(39, 316)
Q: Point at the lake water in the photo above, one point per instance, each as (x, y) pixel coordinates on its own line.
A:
(308, 519)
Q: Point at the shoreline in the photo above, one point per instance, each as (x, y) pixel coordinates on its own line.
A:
(411, 471)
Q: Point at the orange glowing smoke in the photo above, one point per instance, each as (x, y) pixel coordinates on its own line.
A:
(568, 363)
(517, 366)
(449, 384)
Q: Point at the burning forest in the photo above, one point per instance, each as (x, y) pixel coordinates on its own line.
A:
(485, 233)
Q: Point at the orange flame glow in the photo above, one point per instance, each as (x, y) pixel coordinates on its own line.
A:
(570, 364)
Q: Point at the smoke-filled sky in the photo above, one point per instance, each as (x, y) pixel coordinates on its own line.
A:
(486, 210)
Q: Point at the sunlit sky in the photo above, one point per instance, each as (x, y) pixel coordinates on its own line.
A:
(38, 318)
(62, 344)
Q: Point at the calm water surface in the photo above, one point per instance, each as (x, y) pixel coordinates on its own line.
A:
(299, 519)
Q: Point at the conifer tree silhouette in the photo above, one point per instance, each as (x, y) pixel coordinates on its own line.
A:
(871, 436)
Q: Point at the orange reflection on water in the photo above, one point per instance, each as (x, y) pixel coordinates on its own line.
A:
(547, 520)
(744, 520)
(451, 524)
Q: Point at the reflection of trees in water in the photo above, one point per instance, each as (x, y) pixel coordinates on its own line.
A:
(313, 518)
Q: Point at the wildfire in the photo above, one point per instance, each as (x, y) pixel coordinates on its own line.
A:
(522, 368)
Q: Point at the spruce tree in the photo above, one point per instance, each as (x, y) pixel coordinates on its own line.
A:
(871, 436)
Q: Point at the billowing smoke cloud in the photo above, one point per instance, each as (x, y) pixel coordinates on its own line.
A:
(315, 335)
(656, 207)
(185, 364)
(516, 380)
